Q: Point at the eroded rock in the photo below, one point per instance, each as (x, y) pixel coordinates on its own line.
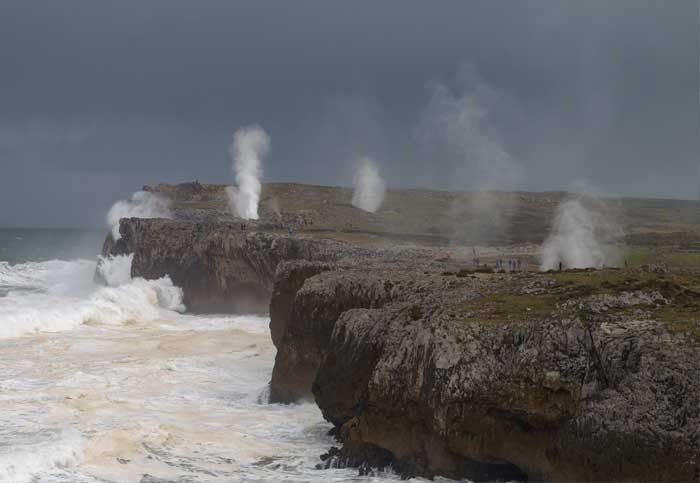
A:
(588, 392)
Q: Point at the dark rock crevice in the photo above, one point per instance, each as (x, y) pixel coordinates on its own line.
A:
(302, 335)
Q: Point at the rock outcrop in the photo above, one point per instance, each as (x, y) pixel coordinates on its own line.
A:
(220, 266)
(487, 376)
(303, 314)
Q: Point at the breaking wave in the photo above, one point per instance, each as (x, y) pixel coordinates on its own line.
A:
(178, 397)
(24, 455)
(60, 295)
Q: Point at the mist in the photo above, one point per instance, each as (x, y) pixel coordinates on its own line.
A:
(250, 145)
(369, 186)
(459, 129)
(142, 204)
(585, 234)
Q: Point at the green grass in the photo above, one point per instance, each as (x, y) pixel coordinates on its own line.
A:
(683, 259)
(682, 323)
(675, 259)
(505, 308)
(617, 280)
(680, 315)
(638, 256)
(581, 283)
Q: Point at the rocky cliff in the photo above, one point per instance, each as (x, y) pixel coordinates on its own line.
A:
(581, 376)
(220, 266)
(303, 314)
(435, 369)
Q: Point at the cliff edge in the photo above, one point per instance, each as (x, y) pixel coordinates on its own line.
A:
(572, 376)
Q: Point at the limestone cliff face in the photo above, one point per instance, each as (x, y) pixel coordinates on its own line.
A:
(584, 395)
(220, 267)
(460, 401)
(302, 316)
(585, 377)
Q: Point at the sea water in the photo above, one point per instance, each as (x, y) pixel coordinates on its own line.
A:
(110, 384)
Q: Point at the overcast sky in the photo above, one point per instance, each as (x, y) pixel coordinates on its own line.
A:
(99, 98)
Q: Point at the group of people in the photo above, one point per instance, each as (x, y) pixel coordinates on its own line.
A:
(513, 264)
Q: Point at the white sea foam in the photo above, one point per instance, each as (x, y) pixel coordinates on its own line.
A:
(180, 397)
(181, 405)
(115, 270)
(25, 455)
(63, 296)
(55, 276)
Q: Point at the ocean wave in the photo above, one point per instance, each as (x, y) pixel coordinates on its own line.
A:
(44, 451)
(115, 270)
(63, 296)
(60, 277)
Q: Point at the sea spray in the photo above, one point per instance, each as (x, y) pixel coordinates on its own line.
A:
(583, 235)
(115, 270)
(56, 277)
(369, 187)
(250, 145)
(47, 304)
(142, 204)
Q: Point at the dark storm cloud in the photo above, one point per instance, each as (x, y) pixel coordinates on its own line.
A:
(97, 98)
